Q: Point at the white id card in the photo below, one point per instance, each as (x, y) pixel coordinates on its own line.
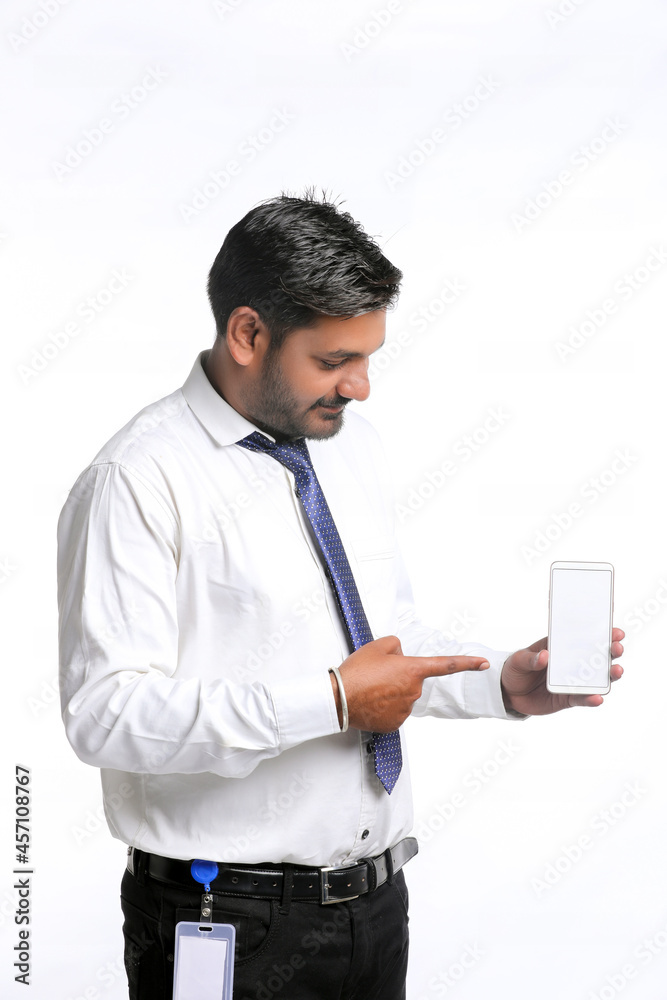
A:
(204, 961)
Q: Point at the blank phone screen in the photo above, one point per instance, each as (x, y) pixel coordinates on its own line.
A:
(580, 624)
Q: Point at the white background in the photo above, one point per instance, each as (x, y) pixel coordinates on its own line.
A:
(482, 209)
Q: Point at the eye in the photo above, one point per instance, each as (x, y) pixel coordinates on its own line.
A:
(328, 364)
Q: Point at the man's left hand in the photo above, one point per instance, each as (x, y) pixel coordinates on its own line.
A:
(524, 680)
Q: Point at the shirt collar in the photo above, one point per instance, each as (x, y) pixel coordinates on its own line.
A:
(222, 421)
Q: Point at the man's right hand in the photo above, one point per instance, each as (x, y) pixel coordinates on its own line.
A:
(381, 685)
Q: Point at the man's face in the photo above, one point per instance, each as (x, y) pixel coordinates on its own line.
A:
(302, 389)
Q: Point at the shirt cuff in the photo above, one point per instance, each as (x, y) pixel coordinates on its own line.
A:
(304, 711)
(483, 693)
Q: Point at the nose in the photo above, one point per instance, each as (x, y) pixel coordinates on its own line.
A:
(354, 383)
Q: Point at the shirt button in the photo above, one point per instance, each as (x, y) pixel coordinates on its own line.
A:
(365, 834)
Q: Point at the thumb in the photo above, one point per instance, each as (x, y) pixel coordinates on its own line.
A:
(529, 660)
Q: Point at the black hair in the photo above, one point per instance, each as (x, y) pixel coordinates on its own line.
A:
(294, 260)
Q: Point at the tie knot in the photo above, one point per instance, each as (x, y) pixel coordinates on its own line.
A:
(293, 454)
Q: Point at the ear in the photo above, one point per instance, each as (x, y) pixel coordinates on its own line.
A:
(247, 336)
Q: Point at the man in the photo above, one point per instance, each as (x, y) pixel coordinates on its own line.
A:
(239, 645)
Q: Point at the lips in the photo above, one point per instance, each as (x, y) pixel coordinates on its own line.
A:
(338, 405)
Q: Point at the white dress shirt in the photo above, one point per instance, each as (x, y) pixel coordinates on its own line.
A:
(197, 627)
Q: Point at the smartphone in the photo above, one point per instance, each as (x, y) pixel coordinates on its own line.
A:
(581, 603)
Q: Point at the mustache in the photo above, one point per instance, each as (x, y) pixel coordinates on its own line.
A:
(336, 401)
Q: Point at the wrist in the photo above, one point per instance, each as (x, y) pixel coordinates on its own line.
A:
(340, 699)
(507, 697)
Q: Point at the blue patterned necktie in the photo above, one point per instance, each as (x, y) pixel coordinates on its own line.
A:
(295, 457)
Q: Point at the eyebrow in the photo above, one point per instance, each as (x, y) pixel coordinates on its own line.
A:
(341, 353)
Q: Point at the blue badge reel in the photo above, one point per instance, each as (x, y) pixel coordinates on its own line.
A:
(204, 950)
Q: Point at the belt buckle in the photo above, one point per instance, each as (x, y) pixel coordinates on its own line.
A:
(324, 889)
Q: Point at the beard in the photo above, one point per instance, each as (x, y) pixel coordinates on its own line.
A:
(275, 408)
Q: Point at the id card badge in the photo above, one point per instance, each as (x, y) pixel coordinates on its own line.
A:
(203, 961)
(204, 950)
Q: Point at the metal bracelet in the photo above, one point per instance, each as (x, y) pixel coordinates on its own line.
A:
(343, 700)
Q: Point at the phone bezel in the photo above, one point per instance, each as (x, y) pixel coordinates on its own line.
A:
(605, 567)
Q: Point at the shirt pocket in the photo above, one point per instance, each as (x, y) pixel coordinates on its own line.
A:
(375, 573)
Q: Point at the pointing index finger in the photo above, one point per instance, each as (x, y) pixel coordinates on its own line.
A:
(439, 666)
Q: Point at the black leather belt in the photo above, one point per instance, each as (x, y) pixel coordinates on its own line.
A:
(328, 885)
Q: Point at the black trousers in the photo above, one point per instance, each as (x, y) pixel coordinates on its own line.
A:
(290, 950)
